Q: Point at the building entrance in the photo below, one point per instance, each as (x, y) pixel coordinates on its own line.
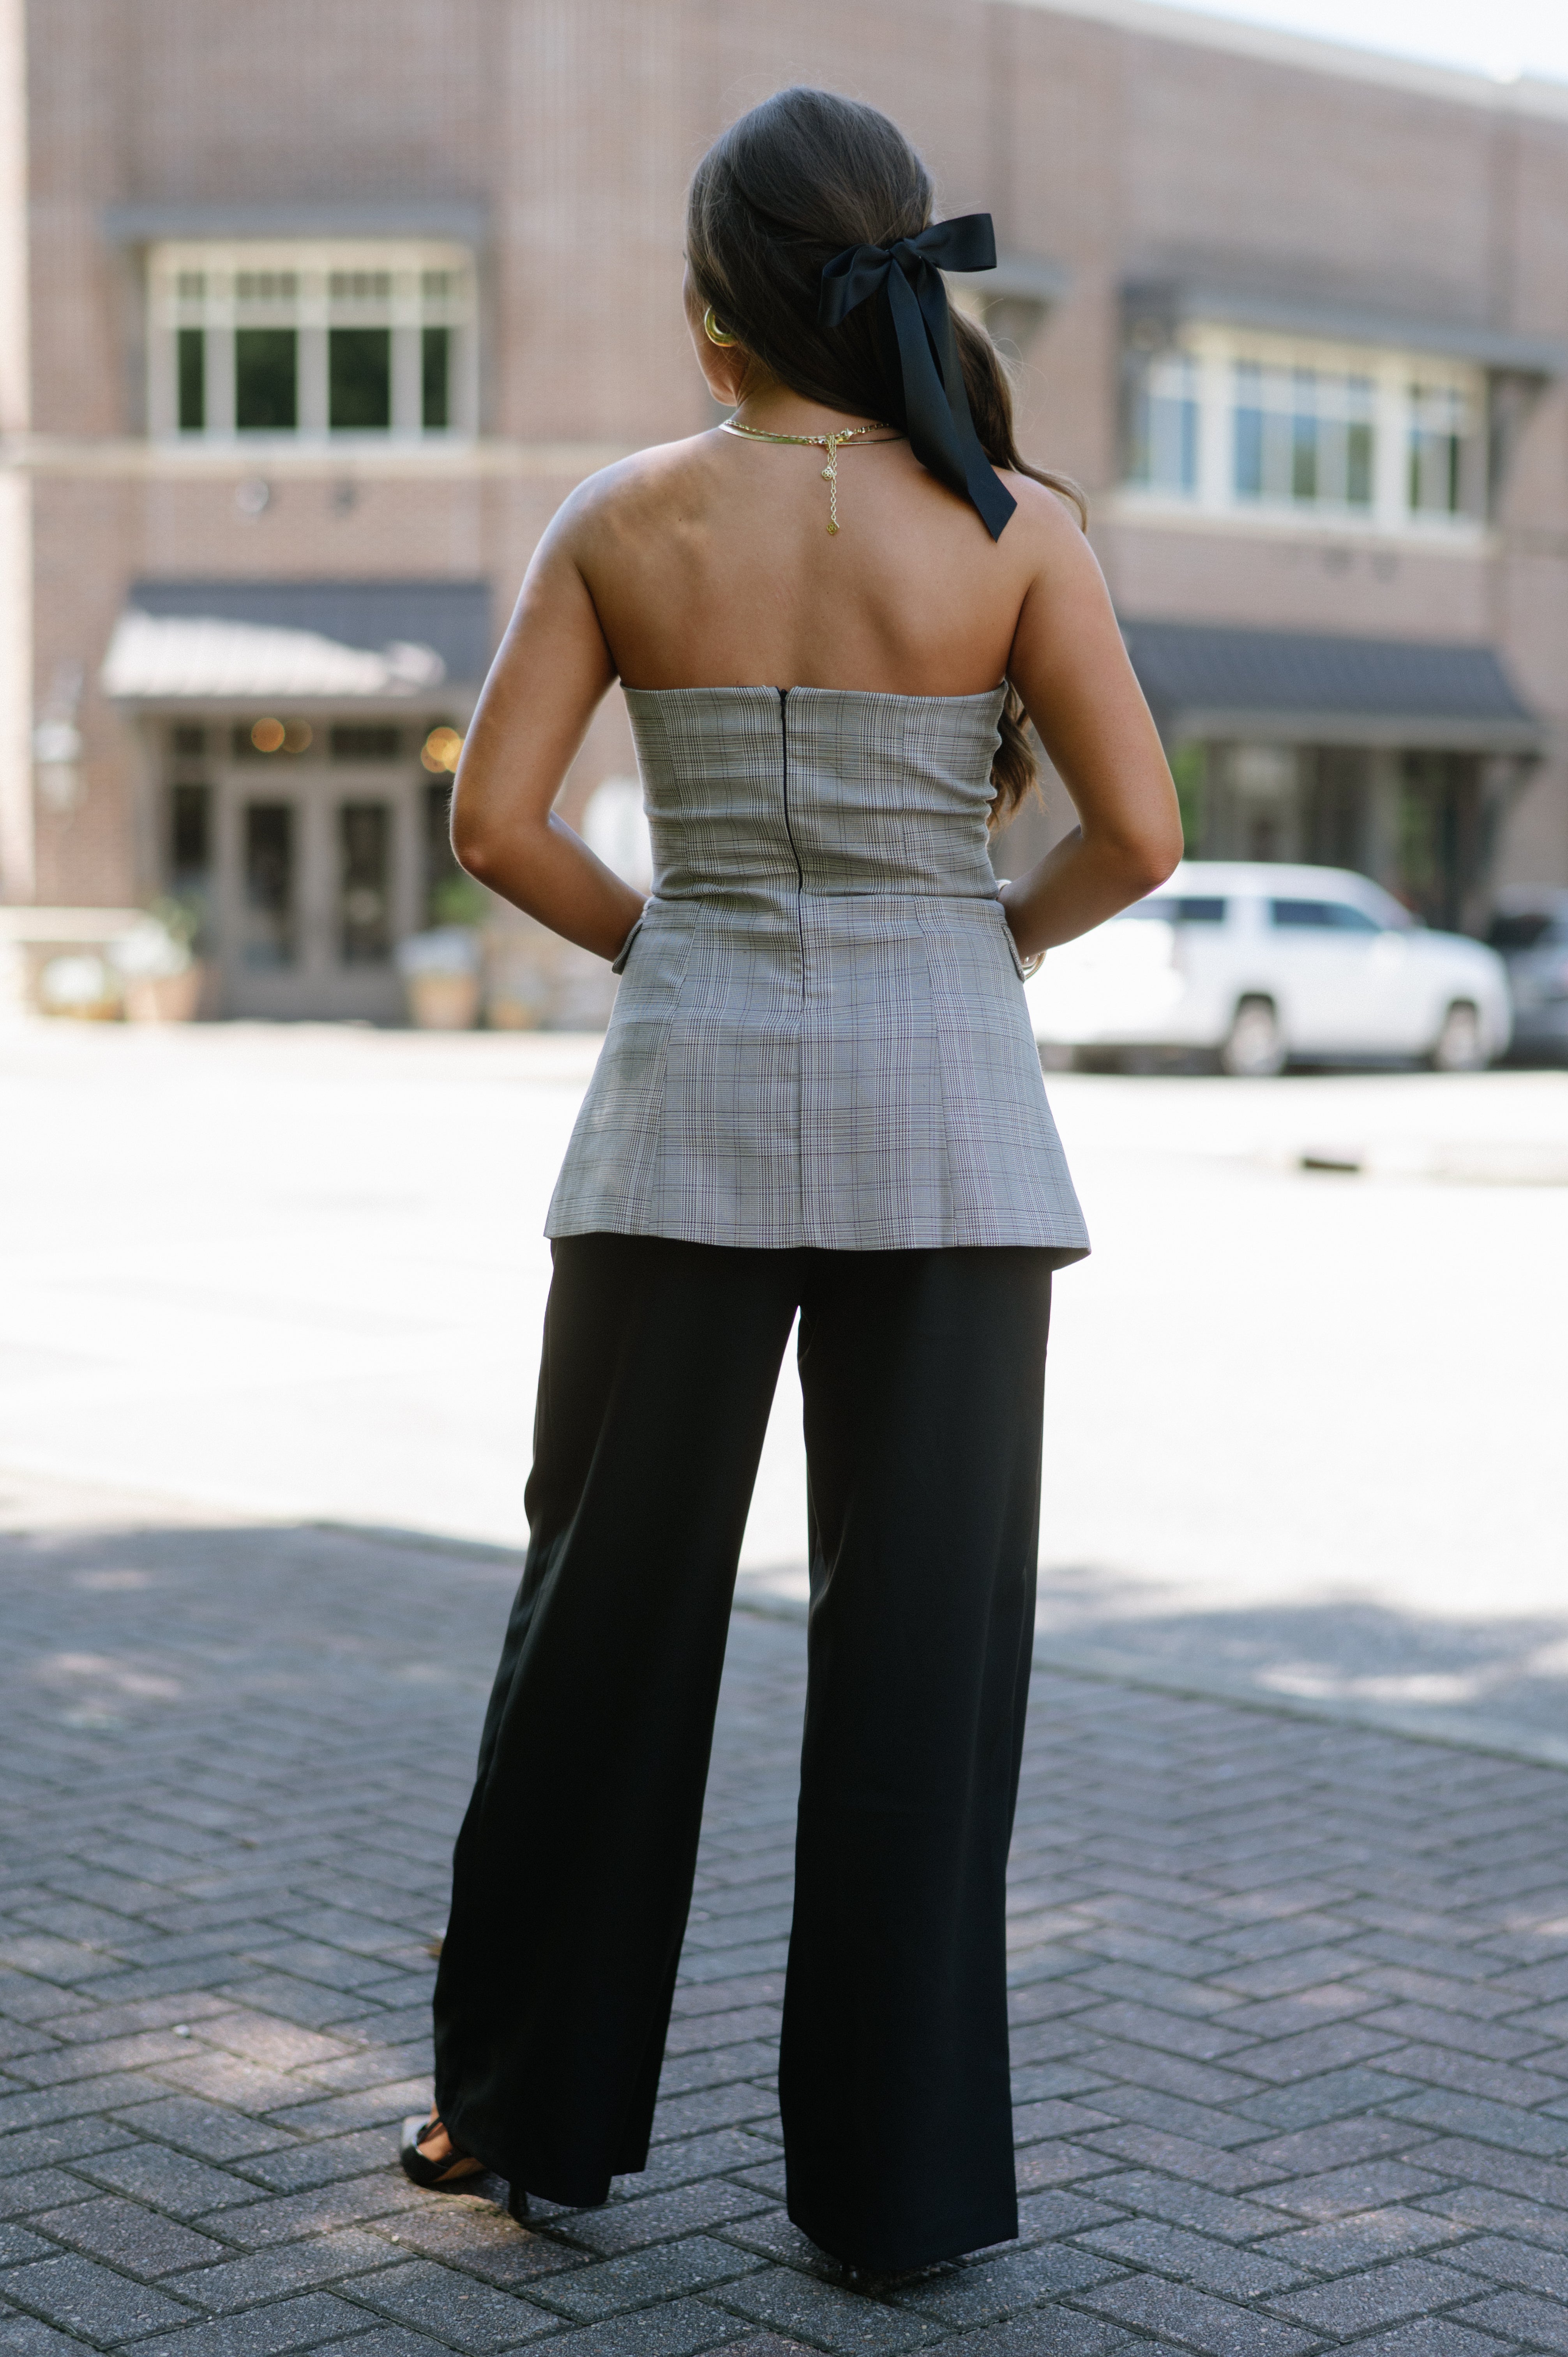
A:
(304, 870)
(316, 879)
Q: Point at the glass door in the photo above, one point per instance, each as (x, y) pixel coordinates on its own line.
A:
(269, 884)
(320, 875)
(366, 832)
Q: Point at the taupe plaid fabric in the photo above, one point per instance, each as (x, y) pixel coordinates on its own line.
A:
(820, 1036)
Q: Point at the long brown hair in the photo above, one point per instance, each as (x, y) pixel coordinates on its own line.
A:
(778, 194)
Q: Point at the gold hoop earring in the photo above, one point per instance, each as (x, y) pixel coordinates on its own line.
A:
(714, 333)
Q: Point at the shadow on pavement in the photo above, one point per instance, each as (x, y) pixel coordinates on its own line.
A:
(1288, 1999)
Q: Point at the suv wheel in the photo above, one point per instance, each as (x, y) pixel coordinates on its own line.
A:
(1461, 1044)
(1254, 1047)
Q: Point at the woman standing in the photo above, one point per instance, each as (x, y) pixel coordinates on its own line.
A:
(819, 1094)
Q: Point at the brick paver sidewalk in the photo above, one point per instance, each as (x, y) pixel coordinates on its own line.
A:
(1290, 2007)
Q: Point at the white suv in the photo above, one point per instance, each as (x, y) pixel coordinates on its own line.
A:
(1257, 964)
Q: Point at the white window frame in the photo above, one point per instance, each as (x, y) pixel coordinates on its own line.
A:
(1216, 352)
(407, 307)
(1174, 383)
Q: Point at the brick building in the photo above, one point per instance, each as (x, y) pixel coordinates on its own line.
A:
(311, 316)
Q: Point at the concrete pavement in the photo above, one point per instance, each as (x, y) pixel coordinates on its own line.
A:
(1289, 2003)
(1303, 1426)
(1290, 1992)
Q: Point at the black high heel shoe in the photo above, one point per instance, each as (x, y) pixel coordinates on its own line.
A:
(436, 2176)
(446, 2175)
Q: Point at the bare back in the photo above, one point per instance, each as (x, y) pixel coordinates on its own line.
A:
(709, 562)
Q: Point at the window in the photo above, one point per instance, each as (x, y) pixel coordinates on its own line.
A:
(269, 878)
(266, 379)
(1438, 429)
(1322, 917)
(364, 912)
(191, 363)
(441, 869)
(1270, 425)
(1303, 433)
(359, 378)
(190, 833)
(374, 740)
(372, 338)
(1188, 909)
(1164, 423)
(360, 285)
(1533, 930)
(435, 378)
(266, 285)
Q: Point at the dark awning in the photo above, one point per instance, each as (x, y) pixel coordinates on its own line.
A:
(299, 642)
(1209, 681)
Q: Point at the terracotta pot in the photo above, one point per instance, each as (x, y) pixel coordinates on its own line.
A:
(90, 994)
(164, 998)
(505, 1013)
(442, 1002)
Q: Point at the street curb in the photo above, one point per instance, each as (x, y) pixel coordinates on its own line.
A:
(1104, 1666)
(1416, 1725)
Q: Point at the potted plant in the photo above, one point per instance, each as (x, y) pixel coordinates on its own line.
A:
(440, 972)
(81, 985)
(160, 975)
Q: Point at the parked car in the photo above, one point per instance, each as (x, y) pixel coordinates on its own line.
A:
(1529, 933)
(1257, 964)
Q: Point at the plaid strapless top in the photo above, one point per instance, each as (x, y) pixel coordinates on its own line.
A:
(820, 1036)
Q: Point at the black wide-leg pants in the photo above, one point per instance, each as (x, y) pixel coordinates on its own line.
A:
(923, 1377)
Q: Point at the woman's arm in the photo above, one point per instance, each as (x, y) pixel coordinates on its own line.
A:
(549, 677)
(1071, 669)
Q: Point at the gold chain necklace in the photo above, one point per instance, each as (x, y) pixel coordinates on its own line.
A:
(831, 442)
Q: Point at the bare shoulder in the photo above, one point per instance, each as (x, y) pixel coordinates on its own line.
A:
(647, 488)
(1049, 536)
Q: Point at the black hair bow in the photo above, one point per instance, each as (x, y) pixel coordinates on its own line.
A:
(907, 277)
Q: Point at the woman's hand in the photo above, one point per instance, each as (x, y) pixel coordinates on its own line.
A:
(553, 671)
(1068, 664)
